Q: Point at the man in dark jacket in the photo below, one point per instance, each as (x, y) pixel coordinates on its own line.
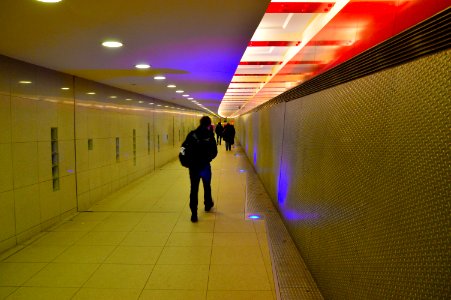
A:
(229, 136)
(204, 150)
(218, 131)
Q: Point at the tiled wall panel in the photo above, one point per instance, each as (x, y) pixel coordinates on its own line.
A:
(268, 146)
(364, 182)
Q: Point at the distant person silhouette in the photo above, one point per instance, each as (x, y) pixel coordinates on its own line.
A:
(219, 129)
(229, 136)
(201, 145)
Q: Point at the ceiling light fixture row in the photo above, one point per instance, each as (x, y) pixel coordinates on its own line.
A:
(143, 66)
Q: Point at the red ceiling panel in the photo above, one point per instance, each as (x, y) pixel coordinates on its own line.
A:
(299, 7)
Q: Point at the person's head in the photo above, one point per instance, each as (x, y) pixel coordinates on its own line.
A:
(205, 121)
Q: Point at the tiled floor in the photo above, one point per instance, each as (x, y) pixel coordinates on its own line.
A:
(139, 243)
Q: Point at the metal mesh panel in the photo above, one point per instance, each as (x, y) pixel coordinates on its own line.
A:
(364, 183)
(269, 146)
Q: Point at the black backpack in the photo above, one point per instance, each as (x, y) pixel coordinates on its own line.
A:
(187, 150)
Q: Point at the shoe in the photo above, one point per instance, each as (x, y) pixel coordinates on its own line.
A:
(208, 207)
(194, 218)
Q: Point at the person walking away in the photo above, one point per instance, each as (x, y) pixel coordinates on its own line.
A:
(229, 136)
(219, 129)
(202, 145)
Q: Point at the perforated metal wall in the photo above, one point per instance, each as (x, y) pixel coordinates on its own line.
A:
(364, 185)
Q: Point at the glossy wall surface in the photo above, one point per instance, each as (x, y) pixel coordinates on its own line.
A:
(363, 180)
(101, 145)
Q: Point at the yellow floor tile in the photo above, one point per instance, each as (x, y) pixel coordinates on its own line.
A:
(178, 277)
(62, 275)
(134, 255)
(85, 254)
(190, 239)
(43, 293)
(155, 226)
(15, 274)
(5, 291)
(100, 238)
(114, 276)
(185, 256)
(234, 226)
(145, 238)
(77, 226)
(240, 295)
(37, 254)
(91, 216)
(139, 242)
(107, 294)
(132, 217)
(235, 239)
(115, 226)
(185, 225)
(59, 238)
(236, 255)
(236, 277)
(172, 295)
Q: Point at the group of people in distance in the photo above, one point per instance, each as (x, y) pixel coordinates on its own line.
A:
(204, 149)
(227, 133)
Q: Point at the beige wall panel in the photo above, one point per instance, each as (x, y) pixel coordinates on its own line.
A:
(34, 108)
(27, 114)
(81, 122)
(83, 184)
(47, 117)
(5, 119)
(66, 120)
(24, 116)
(164, 130)
(82, 158)
(66, 157)
(83, 201)
(5, 76)
(6, 167)
(20, 71)
(45, 161)
(25, 164)
(49, 85)
(27, 207)
(48, 199)
(7, 218)
(67, 194)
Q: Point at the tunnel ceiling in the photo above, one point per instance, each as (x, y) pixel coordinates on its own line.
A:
(226, 56)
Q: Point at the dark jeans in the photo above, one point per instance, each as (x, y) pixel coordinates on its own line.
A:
(218, 139)
(228, 146)
(195, 174)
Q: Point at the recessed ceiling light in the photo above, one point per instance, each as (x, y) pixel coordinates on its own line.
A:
(113, 97)
(25, 82)
(158, 104)
(190, 98)
(186, 95)
(128, 99)
(166, 106)
(65, 88)
(150, 103)
(171, 86)
(159, 77)
(142, 66)
(91, 93)
(112, 44)
(140, 101)
(49, 1)
(179, 91)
